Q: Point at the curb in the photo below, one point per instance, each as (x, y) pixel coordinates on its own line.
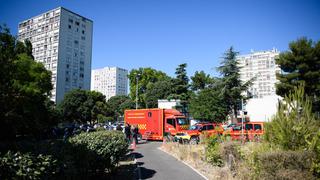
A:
(198, 172)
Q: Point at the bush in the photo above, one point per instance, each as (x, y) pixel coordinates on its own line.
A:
(27, 166)
(285, 165)
(98, 150)
(213, 151)
(295, 127)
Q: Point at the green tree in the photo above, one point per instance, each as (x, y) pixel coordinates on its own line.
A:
(118, 104)
(209, 104)
(157, 90)
(200, 80)
(180, 88)
(24, 89)
(232, 86)
(145, 76)
(181, 84)
(83, 106)
(300, 64)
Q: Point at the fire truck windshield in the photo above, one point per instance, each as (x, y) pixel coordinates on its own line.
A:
(182, 121)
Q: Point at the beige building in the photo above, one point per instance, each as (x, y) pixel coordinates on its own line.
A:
(110, 81)
(62, 41)
(261, 66)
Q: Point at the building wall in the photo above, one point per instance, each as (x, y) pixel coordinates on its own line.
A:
(262, 109)
(261, 66)
(168, 104)
(49, 35)
(110, 81)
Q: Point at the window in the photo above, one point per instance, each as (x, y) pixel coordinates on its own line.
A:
(210, 127)
(70, 21)
(257, 127)
(82, 31)
(81, 75)
(171, 122)
(69, 26)
(182, 121)
(249, 127)
(77, 23)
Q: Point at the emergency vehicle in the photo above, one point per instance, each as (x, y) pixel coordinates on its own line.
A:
(252, 131)
(153, 124)
(192, 135)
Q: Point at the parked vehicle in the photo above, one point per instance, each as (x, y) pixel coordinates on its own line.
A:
(251, 131)
(153, 124)
(192, 135)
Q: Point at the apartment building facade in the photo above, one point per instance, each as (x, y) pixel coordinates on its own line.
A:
(261, 66)
(110, 81)
(62, 41)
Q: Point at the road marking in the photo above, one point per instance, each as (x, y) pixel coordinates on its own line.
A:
(185, 164)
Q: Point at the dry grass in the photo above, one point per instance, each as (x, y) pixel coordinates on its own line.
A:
(194, 155)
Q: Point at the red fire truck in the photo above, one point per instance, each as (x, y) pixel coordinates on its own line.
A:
(154, 123)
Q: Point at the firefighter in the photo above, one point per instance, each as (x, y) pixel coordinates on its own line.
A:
(127, 132)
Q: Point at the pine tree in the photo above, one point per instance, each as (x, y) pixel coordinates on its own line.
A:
(232, 85)
(301, 64)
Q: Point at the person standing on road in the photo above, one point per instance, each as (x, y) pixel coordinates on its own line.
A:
(135, 133)
(127, 132)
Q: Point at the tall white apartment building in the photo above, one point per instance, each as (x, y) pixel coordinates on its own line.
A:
(110, 81)
(62, 41)
(261, 66)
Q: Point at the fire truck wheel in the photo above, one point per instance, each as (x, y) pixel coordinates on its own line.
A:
(194, 140)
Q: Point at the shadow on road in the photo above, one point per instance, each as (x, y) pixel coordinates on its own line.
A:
(146, 173)
(137, 155)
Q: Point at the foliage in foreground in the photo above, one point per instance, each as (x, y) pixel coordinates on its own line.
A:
(83, 156)
(295, 127)
(27, 166)
(101, 150)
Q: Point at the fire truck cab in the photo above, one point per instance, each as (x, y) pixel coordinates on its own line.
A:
(153, 124)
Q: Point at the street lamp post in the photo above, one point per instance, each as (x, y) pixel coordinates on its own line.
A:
(137, 77)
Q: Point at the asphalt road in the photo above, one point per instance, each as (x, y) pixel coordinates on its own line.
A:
(158, 165)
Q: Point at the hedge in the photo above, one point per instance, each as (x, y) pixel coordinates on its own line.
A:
(82, 156)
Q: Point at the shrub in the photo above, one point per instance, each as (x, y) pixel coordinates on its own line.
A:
(231, 147)
(17, 165)
(295, 127)
(212, 152)
(99, 150)
(285, 165)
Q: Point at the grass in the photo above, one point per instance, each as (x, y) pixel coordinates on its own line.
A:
(194, 155)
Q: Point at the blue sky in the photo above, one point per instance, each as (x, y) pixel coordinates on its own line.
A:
(165, 33)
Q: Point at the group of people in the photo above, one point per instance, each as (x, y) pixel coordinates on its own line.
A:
(131, 133)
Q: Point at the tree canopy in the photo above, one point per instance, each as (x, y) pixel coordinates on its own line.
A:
(118, 104)
(25, 87)
(200, 80)
(145, 76)
(209, 104)
(84, 106)
(232, 87)
(300, 64)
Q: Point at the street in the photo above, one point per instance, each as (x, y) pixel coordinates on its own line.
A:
(158, 165)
